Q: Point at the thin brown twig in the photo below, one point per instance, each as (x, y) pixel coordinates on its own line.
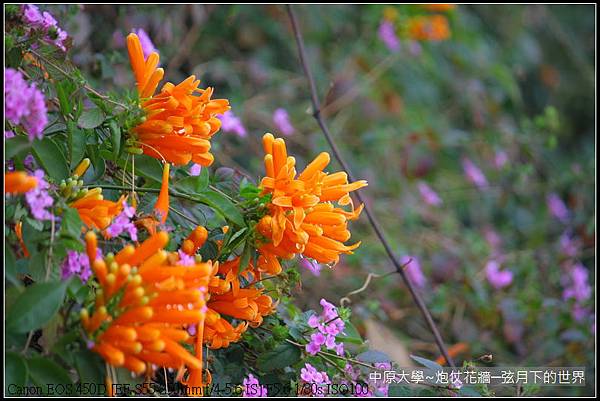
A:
(371, 217)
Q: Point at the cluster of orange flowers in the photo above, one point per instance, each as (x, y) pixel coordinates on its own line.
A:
(178, 124)
(248, 305)
(149, 300)
(303, 218)
(145, 302)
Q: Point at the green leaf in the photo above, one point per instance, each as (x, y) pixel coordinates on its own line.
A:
(15, 370)
(97, 162)
(16, 145)
(10, 270)
(64, 90)
(223, 206)
(91, 118)
(115, 138)
(245, 257)
(51, 158)
(47, 374)
(146, 166)
(90, 368)
(282, 356)
(77, 144)
(71, 224)
(36, 306)
(37, 266)
(194, 184)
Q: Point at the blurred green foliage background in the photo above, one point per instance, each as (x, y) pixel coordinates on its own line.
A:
(512, 90)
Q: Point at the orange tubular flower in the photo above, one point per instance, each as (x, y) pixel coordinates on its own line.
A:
(145, 304)
(178, 125)
(303, 219)
(95, 211)
(433, 28)
(162, 203)
(18, 182)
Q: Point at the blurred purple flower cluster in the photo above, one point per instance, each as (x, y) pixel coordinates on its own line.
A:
(428, 195)
(387, 34)
(231, 123)
(474, 174)
(24, 104)
(310, 374)
(281, 119)
(328, 325)
(145, 41)
(413, 270)
(45, 23)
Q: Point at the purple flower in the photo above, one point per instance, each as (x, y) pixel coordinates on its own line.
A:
(76, 263)
(413, 270)
(498, 279)
(123, 223)
(387, 34)
(576, 284)
(230, 123)
(310, 374)
(474, 174)
(281, 119)
(313, 348)
(569, 246)
(311, 265)
(39, 200)
(147, 45)
(195, 169)
(24, 104)
(31, 14)
(8, 134)
(48, 21)
(428, 195)
(328, 325)
(252, 388)
(557, 207)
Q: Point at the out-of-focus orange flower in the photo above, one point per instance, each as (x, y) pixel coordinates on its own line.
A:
(429, 28)
(145, 305)
(303, 218)
(18, 182)
(439, 7)
(178, 125)
(95, 211)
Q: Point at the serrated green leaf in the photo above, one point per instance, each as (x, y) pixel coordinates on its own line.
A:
(36, 306)
(91, 118)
